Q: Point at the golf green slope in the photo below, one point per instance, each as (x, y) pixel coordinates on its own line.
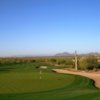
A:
(22, 82)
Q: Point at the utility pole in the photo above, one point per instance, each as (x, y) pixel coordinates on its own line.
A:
(76, 68)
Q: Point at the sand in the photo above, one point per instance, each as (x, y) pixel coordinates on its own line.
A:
(93, 76)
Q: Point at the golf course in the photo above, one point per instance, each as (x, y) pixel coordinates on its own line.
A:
(24, 81)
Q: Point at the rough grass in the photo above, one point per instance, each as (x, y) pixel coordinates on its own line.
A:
(21, 82)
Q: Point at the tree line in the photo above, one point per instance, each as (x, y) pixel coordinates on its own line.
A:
(84, 62)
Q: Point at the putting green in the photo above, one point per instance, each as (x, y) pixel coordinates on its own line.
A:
(25, 82)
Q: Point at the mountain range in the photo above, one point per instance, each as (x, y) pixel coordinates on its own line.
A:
(72, 54)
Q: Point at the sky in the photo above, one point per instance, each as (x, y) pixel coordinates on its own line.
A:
(47, 27)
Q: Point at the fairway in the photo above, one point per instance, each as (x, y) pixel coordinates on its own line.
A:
(22, 82)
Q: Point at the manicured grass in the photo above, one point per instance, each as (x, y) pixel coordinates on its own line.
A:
(25, 82)
(22, 82)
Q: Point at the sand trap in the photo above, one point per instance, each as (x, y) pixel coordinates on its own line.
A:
(93, 76)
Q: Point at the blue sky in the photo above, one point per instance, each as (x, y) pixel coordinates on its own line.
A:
(47, 27)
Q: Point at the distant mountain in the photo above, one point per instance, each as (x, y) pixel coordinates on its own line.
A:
(64, 54)
(72, 54)
(92, 53)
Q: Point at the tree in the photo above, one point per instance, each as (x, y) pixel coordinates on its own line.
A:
(69, 61)
(61, 61)
(53, 60)
(88, 63)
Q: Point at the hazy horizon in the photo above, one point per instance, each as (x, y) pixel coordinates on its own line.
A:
(47, 27)
(44, 55)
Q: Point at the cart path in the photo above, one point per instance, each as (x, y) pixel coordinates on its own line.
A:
(93, 76)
